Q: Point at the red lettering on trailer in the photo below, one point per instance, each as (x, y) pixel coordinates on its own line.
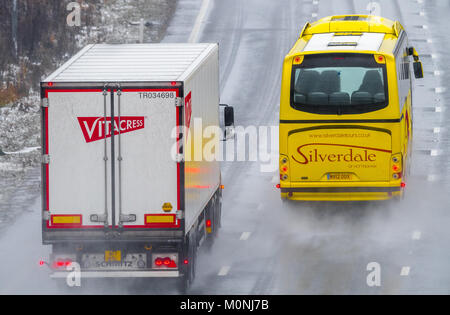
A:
(93, 128)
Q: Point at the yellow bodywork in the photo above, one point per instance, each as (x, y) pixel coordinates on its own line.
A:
(345, 157)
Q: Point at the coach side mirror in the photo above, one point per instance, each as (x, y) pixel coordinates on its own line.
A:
(418, 69)
(227, 121)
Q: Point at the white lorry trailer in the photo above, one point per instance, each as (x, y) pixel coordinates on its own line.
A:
(119, 196)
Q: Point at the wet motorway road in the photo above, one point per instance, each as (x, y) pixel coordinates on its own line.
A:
(266, 247)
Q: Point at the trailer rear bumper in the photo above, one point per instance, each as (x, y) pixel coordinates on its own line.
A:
(95, 236)
(119, 274)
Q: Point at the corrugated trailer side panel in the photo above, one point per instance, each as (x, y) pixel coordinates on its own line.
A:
(202, 178)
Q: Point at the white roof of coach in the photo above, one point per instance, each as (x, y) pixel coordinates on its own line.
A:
(333, 41)
(132, 63)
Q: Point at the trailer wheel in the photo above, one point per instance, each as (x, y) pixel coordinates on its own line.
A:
(188, 278)
(214, 213)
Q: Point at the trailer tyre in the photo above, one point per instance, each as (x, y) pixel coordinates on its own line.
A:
(188, 278)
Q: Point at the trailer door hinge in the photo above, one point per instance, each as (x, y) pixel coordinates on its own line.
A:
(179, 102)
(180, 215)
(46, 159)
(46, 215)
(44, 103)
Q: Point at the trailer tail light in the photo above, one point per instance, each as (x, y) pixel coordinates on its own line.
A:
(186, 262)
(208, 224)
(403, 185)
(165, 261)
(50, 84)
(61, 264)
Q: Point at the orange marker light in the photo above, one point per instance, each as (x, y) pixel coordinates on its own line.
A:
(380, 59)
(298, 60)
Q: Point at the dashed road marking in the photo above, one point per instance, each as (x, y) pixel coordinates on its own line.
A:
(439, 89)
(417, 235)
(437, 73)
(432, 178)
(245, 236)
(314, 15)
(434, 153)
(405, 271)
(437, 130)
(438, 109)
(224, 271)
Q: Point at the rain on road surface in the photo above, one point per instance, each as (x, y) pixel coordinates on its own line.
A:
(266, 247)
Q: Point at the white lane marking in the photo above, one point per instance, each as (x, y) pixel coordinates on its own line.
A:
(439, 89)
(417, 235)
(425, 27)
(419, 1)
(432, 178)
(193, 38)
(437, 73)
(437, 130)
(422, 13)
(245, 236)
(429, 41)
(405, 271)
(314, 15)
(224, 271)
(438, 109)
(315, 2)
(434, 153)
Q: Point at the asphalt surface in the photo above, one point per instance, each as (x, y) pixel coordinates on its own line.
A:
(266, 247)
